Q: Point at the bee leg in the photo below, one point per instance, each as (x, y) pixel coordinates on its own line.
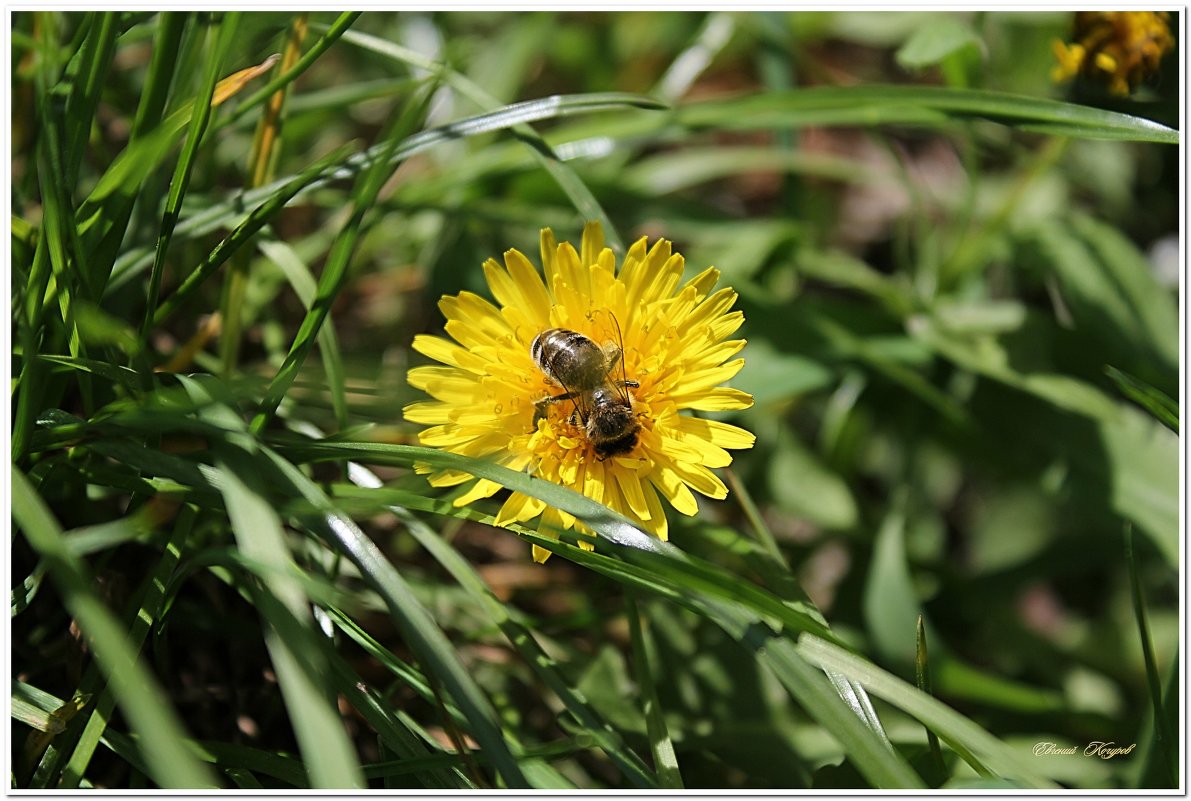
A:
(612, 354)
(539, 407)
(629, 383)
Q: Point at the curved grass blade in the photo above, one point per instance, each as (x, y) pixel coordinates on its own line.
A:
(149, 612)
(973, 743)
(1160, 406)
(256, 220)
(331, 34)
(662, 561)
(140, 696)
(1165, 739)
(873, 754)
(95, 60)
(101, 213)
(664, 760)
(582, 198)
(334, 272)
(306, 288)
(417, 627)
(301, 670)
(225, 213)
(158, 77)
(226, 756)
(636, 546)
(518, 634)
(875, 104)
(398, 735)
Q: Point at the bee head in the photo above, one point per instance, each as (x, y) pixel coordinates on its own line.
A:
(612, 425)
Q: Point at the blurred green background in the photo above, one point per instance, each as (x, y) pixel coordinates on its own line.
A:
(962, 318)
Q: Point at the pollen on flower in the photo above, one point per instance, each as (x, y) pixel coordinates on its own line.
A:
(642, 350)
(1119, 49)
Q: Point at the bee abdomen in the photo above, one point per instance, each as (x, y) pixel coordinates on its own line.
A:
(567, 356)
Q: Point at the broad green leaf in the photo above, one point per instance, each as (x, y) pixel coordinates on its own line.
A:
(891, 607)
(802, 484)
(935, 41)
(1111, 292)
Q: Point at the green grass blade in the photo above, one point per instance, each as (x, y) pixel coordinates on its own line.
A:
(306, 288)
(577, 191)
(1160, 406)
(139, 695)
(398, 735)
(957, 731)
(327, 751)
(40, 710)
(1165, 738)
(868, 750)
(331, 34)
(181, 179)
(417, 627)
(644, 551)
(870, 105)
(149, 612)
(664, 760)
(519, 635)
(222, 755)
(335, 271)
(228, 213)
(922, 678)
(659, 567)
(258, 218)
(94, 61)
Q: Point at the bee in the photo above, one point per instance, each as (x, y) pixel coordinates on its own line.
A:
(603, 405)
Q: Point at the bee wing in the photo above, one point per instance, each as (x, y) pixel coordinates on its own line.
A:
(622, 379)
(579, 399)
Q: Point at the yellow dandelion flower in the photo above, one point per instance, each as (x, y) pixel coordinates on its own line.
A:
(1117, 48)
(492, 400)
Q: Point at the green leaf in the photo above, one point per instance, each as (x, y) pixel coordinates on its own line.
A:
(803, 485)
(935, 41)
(891, 607)
(1111, 292)
(1136, 457)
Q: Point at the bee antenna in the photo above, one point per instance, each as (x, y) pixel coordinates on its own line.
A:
(624, 390)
